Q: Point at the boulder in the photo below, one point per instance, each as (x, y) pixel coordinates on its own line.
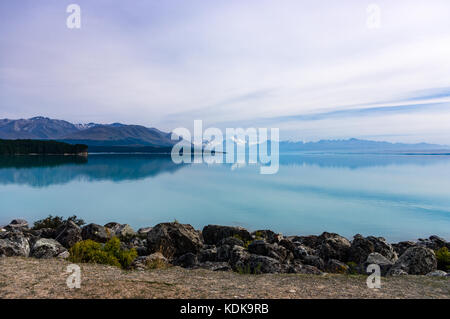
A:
(267, 235)
(298, 268)
(288, 244)
(17, 224)
(334, 246)
(337, 267)
(144, 231)
(260, 247)
(417, 260)
(315, 261)
(402, 246)
(213, 234)
(207, 254)
(188, 260)
(362, 247)
(437, 273)
(231, 241)
(239, 257)
(311, 241)
(173, 240)
(224, 253)
(68, 234)
(301, 251)
(394, 272)
(121, 230)
(47, 248)
(433, 242)
(14, 244)
(378, 259)
(153, 261)
(96, 233)
(257, 264)
(215, 266)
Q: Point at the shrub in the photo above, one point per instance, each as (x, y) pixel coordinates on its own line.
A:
(56, 221)
(443, 259)
(111, 253)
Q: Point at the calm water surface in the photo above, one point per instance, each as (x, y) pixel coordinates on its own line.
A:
(399, 197)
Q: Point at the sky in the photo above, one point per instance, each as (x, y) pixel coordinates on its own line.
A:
(314, 69)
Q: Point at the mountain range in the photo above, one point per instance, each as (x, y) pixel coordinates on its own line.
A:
(92, 134)
(118, 137)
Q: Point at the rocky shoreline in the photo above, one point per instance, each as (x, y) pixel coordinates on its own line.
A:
(226, 248)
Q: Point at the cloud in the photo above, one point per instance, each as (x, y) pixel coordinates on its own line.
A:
(166, 63)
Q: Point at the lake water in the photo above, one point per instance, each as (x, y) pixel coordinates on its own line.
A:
(399, 197)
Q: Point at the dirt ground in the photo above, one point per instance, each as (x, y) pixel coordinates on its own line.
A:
(39, 278)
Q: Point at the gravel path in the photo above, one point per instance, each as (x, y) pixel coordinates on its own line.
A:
(38, 278)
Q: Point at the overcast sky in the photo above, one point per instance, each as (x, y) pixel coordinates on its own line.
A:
(315, 69)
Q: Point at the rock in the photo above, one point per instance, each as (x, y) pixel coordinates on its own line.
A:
(433, 242)
(378, 259)
(17, 224)
(231, 241)
(188, 260)
(362, 247)
(298, 268)
(96, 233)
(337, 267)
(257, 264)
(64, 255)
(309, 241)
(267, 235)
(47, 248)
(68, 234)
(14, 244)
(224, 253)
(334, 246)
(144, 231)
(417, 260)
(289, 245)
(301, 251)
(260, 247)
(215, 266)
(239, 257)
(402, 246)
(153, 261)
(315, 261)
(122, 231)
(213, 234)
(173, 240)
(394, 272)
(437, 273)
(207, 254)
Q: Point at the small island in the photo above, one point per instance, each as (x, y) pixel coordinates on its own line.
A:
(40, 147)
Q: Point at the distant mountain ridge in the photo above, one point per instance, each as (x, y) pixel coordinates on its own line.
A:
(115, 134)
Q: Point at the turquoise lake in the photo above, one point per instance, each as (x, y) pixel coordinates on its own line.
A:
(399, 197)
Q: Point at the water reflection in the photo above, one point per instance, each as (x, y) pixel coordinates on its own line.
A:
(42, 171)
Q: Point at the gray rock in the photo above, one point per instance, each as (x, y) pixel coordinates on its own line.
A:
(402, 246)
(417, 260)
(260, 247)
(298, 268)
(188, 260)
(362, 247)
(215, 266)
(17, 224)
(47, 248)
(257, 264)
(301, 251)
(383, 247)
(153, 261)
(68, 234)
(394, 272)
(334, 246)
(288, 244)
(311, 241)
(437, 273)
(96, 233)
(213, 234)
(14, 244)
(173, 240)
(207, 254)
(378, 259)
(315, 261)
(239, 257)
(231, 241)
(337, 267)
(267, 235)
(433, 242)
(224, 253)
(123, 231)
(144, 230)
